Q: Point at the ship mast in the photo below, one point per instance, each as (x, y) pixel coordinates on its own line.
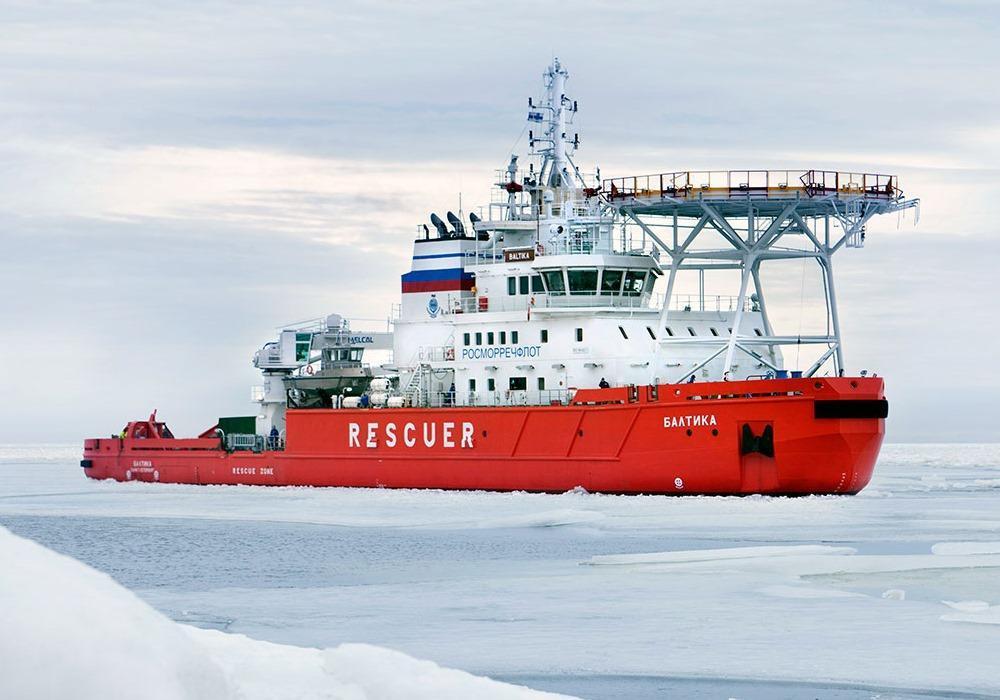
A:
(556, 113)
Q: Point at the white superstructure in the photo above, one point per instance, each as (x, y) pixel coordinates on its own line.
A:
(550, 288)
(547, 292)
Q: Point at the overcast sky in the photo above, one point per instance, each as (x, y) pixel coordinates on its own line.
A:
(178, 179)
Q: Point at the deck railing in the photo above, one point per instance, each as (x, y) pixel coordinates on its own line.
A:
(515, 397)
(679, 302)
(691, 184)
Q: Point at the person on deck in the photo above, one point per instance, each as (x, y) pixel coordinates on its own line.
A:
(272, 439)
(604, 384)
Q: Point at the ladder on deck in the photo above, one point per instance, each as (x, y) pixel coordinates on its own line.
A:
(855, 210)
(414, 391)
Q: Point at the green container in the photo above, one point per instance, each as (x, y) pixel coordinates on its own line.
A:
(238, 425)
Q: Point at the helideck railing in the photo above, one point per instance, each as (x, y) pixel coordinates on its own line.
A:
(692, 184)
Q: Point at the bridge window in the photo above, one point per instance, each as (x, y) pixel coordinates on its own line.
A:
(554, 282)
(611, 281)
(523, 283)
(465, 338)
(579, 335)
(511, 286)
(635, 280)
(582, 281)
(513, 337)
(479, 338)
(714, 332)
(545, 335)
(758, 331)
(670, 331)
(536, 285)
(651, 333)
(541, 383)
(622, 331)
(691, 331)
(518, 383)
(489, 338)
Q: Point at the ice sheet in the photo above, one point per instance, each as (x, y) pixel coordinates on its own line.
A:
(72, 632)
(504, 584)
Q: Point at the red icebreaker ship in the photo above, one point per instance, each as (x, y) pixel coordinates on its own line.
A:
(531, 350)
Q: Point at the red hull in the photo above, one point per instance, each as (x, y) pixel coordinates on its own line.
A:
(788, 436)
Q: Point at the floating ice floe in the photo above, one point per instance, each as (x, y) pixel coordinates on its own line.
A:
(965, 548)
(69, 631)
(975, 611)
(727, 554)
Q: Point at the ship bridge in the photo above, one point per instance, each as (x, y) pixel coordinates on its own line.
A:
(737, 219)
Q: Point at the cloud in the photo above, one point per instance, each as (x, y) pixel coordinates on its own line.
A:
(181, 178)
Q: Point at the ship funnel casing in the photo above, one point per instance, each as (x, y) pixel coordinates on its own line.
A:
(456, 223)
(441, 227)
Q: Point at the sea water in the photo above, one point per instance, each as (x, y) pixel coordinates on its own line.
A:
(892, 593)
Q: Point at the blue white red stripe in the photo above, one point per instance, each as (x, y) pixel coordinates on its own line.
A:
(453, 279)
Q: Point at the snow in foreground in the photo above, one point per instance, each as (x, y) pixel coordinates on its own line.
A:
(71, 631)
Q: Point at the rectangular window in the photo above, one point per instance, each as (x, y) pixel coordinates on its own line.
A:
(634, 282)
(513, 337)
(611, 282)
(651, 333)
(465, 338)
(472, 385)
(511, 286)
(523, 283)
(489, 338)
(554, 282)
(624, 334)
(518, 383)
(479, 338)
(545, 335)
(541, 383)
(491, 384)
(536, 285)
(579, 335)
(503, 337)
(582, 281)
(303, 344)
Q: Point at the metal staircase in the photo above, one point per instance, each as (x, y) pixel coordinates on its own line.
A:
(414, 391)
